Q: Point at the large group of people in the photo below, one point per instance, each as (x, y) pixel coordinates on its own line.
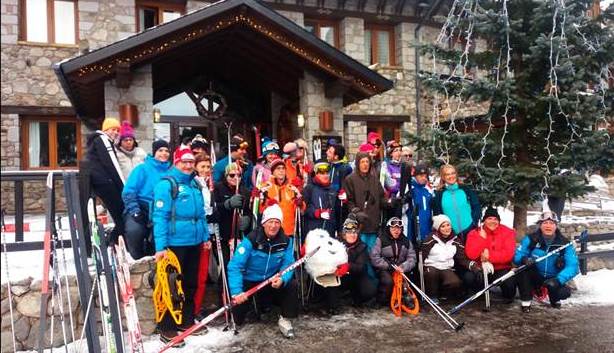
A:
(382, 206)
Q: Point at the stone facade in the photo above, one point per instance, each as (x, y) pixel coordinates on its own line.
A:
(28, 78)
(140, 93)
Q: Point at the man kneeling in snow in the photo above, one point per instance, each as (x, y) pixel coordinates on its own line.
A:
(553, 272)
(262, 253)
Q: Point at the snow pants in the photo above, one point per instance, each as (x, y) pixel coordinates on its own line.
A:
(360, 286)
(530, 280)
(474, 281)
(286, 297)
(435, 280)
(111, 196)
(189, 259)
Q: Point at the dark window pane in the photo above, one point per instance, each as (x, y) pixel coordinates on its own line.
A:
(38, 144)
(67, 144)
(147, 18)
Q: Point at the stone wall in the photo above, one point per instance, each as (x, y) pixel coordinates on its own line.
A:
(26, 299)
(140, 93)
(313, 101)
(105, 22)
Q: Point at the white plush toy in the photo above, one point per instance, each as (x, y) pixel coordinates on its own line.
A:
(323, 264)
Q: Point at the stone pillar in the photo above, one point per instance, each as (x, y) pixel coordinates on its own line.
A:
(312, 102)
(10, 21)
(404, 40)
(296, 17)
(355, 134)
(140, 93)
(352, 38)
(106, 22)
(10, 142)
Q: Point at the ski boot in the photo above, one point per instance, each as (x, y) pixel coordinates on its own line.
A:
(285, 326)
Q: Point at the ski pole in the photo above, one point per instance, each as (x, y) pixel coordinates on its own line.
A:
(513, 272)
(487, 294)
(447, 318)
(229, 306)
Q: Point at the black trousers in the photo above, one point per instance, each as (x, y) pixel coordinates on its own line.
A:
(285, 297)
(474, 281)
(138, 237)
(530, 279)
(189, 259)
(436, 280)
(384, 290)
(111, 196)
(361, 287)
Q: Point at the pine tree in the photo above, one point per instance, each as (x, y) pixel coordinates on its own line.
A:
(547, 103)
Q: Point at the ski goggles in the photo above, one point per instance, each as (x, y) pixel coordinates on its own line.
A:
(395, 222)
(321, 167)
(350, 228)
(548, 216)
(270, 148)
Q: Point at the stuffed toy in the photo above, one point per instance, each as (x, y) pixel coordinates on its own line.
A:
(324, 267)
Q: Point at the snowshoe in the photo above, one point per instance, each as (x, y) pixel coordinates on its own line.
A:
(285, 326)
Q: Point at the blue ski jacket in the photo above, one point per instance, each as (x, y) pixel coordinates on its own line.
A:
(563, 266)
(422, 197)
(179, 221)
(258, 258)
(139, 188)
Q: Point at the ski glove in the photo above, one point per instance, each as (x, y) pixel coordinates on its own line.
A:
(343, 196)
(139, 217)
(244, 223)
(361, 217)
(236, 201)
(342, 269)
(474, 266)
(322, 213)
(528, 260)
(490, 269)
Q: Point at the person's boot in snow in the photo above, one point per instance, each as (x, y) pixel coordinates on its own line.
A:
(285, 326)
(167, 335)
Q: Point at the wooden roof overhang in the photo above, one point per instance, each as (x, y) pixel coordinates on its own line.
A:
(240, 41)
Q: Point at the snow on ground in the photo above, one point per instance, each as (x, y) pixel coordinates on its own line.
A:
(595, 288)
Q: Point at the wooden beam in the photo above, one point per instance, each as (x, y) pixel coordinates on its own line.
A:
(338, 88)
(37, 110)
(361, 5)
(341, 4)
(357, 13)
(377, 118)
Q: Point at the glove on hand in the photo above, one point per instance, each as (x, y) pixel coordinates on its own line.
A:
(552, 283)
(488, 267)
(342, 269)
(244, 223)
(474, 266)
(528, 260)
(236, 201)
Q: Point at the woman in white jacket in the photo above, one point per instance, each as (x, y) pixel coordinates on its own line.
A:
(442, 251)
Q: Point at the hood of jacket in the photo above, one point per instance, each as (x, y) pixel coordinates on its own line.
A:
(360, 156)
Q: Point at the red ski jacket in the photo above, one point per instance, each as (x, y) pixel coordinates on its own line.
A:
(501, 245)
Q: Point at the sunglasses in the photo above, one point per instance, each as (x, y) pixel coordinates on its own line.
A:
(232, 175)
(322, 169)
(350, 230)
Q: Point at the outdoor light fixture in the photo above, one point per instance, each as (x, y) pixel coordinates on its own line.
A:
(156, 115)
(300, 120)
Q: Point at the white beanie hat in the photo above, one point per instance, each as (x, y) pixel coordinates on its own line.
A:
(272, 212)
(439, 220)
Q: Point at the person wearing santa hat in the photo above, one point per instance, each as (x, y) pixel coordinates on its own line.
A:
(262, 253)
(180, 225)
(129, 154)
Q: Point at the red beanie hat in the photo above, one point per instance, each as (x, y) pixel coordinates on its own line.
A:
(126, 131)
(366, 148)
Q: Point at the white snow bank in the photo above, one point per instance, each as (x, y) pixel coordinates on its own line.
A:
(595, 288)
